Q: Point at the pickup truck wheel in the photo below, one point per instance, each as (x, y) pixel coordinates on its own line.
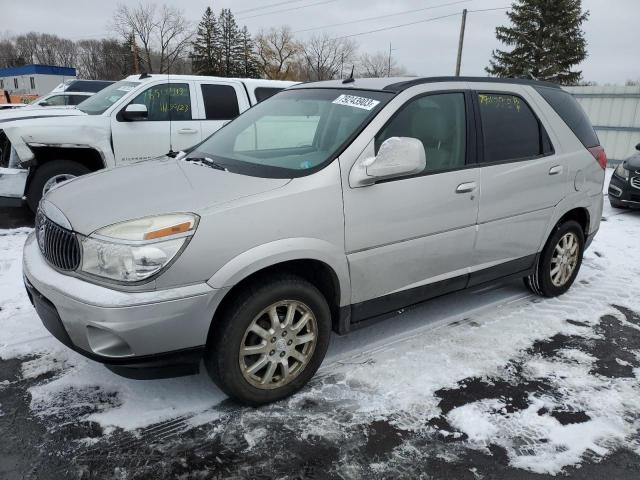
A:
(270, 341)
(49, 175)
(559, 262)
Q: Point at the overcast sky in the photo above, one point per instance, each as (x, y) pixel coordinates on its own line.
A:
(428, 48)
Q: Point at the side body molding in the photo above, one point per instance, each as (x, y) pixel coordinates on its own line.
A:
(284, 250)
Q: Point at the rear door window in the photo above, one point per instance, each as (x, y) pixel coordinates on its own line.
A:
(510, 129)
(572, 113)
(220, 102)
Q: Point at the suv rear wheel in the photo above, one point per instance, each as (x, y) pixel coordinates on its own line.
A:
(270, 341)
(559, 262)
(49, 175)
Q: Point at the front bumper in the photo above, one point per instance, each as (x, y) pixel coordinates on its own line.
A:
(137, 334)
(622, 191)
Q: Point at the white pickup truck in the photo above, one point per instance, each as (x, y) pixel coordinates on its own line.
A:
(139, 118)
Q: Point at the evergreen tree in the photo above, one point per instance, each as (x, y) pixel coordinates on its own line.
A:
(231, 45)
(546, 41)
(206, 55)
(249, 61)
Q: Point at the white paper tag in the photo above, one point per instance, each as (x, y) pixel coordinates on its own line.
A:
(125, 88)
(358, 102)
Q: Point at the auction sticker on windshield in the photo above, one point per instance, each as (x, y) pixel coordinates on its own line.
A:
(354, 101)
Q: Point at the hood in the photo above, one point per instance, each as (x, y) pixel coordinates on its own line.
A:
(149, 188)
(40, 112)
(633, 162)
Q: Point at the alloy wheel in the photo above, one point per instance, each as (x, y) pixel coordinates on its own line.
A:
(55, 181)
(564, 259)
(278, 344)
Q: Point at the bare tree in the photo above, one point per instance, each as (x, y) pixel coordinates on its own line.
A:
(277, 52)
(326, 58)
(140, 21)
(46, 48)
(379, 64)
(164, 30)
(174, 36)
(105, 59)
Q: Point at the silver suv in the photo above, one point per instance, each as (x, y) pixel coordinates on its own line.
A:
(328, 206)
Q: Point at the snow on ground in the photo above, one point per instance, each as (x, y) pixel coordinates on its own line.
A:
(553, 382)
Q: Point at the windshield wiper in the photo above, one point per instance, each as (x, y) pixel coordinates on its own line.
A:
(205, 161)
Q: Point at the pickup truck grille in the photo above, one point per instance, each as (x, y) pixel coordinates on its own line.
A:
(59, 246)
(635, 182)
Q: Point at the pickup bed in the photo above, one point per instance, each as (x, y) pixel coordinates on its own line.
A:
(136, 119)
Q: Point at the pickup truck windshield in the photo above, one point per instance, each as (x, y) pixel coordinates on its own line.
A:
(292, 134)
(101, 101)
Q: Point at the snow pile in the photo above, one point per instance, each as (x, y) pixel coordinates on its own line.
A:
(486, 376)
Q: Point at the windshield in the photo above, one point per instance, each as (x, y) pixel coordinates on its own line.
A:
(101, 101)
(293, 133)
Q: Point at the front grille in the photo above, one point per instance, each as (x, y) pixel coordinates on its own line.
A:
(635, 182)
(58, 245)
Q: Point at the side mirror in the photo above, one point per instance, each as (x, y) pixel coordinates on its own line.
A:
(397, 157)
(43, 103)
(135, 112)
(638, 147)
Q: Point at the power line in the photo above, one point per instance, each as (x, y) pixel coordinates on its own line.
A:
(399, 26)
(287, 9)
(417, 22)
(253, 9)
(382, 16)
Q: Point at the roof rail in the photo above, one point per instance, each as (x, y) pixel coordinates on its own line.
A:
(400, 86)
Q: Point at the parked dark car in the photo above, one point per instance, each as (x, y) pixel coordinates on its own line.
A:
(624, 189)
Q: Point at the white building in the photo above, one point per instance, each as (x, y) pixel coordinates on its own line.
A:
(34, 79)
(615, 114)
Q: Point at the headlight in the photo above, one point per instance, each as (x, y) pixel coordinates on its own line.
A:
(621, 172)
(135, 250)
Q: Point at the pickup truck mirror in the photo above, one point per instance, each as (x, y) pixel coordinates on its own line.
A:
(135, 112)
(397, 157)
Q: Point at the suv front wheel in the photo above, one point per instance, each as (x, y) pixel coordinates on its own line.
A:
(270, 340)
(559, 262)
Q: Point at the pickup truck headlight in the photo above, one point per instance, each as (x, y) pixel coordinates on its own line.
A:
(621, 172)
(135, 250)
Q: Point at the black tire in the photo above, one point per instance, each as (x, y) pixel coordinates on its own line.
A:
(616, 203)
(540, 282)
(48, 171)
(227, 333)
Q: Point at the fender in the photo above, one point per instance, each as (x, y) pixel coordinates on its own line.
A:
(570, 202)
(84, 131)
(284, 250)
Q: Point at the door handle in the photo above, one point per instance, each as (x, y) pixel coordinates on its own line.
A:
(466, 187)
(185, 131)
(557, 170)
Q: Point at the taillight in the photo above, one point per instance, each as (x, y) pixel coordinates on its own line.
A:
(600, 156)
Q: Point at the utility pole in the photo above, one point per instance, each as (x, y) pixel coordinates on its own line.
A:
(134, 51)
(389, 63)
(461, 41)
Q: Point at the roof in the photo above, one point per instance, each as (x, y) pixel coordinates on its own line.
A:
(255, 82)
(37, 69)
(398, 84)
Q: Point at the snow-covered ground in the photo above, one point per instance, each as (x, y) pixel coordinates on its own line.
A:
(549, 383)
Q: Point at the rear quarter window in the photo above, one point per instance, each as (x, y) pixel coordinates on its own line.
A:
(571, 113)
(262, 93)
